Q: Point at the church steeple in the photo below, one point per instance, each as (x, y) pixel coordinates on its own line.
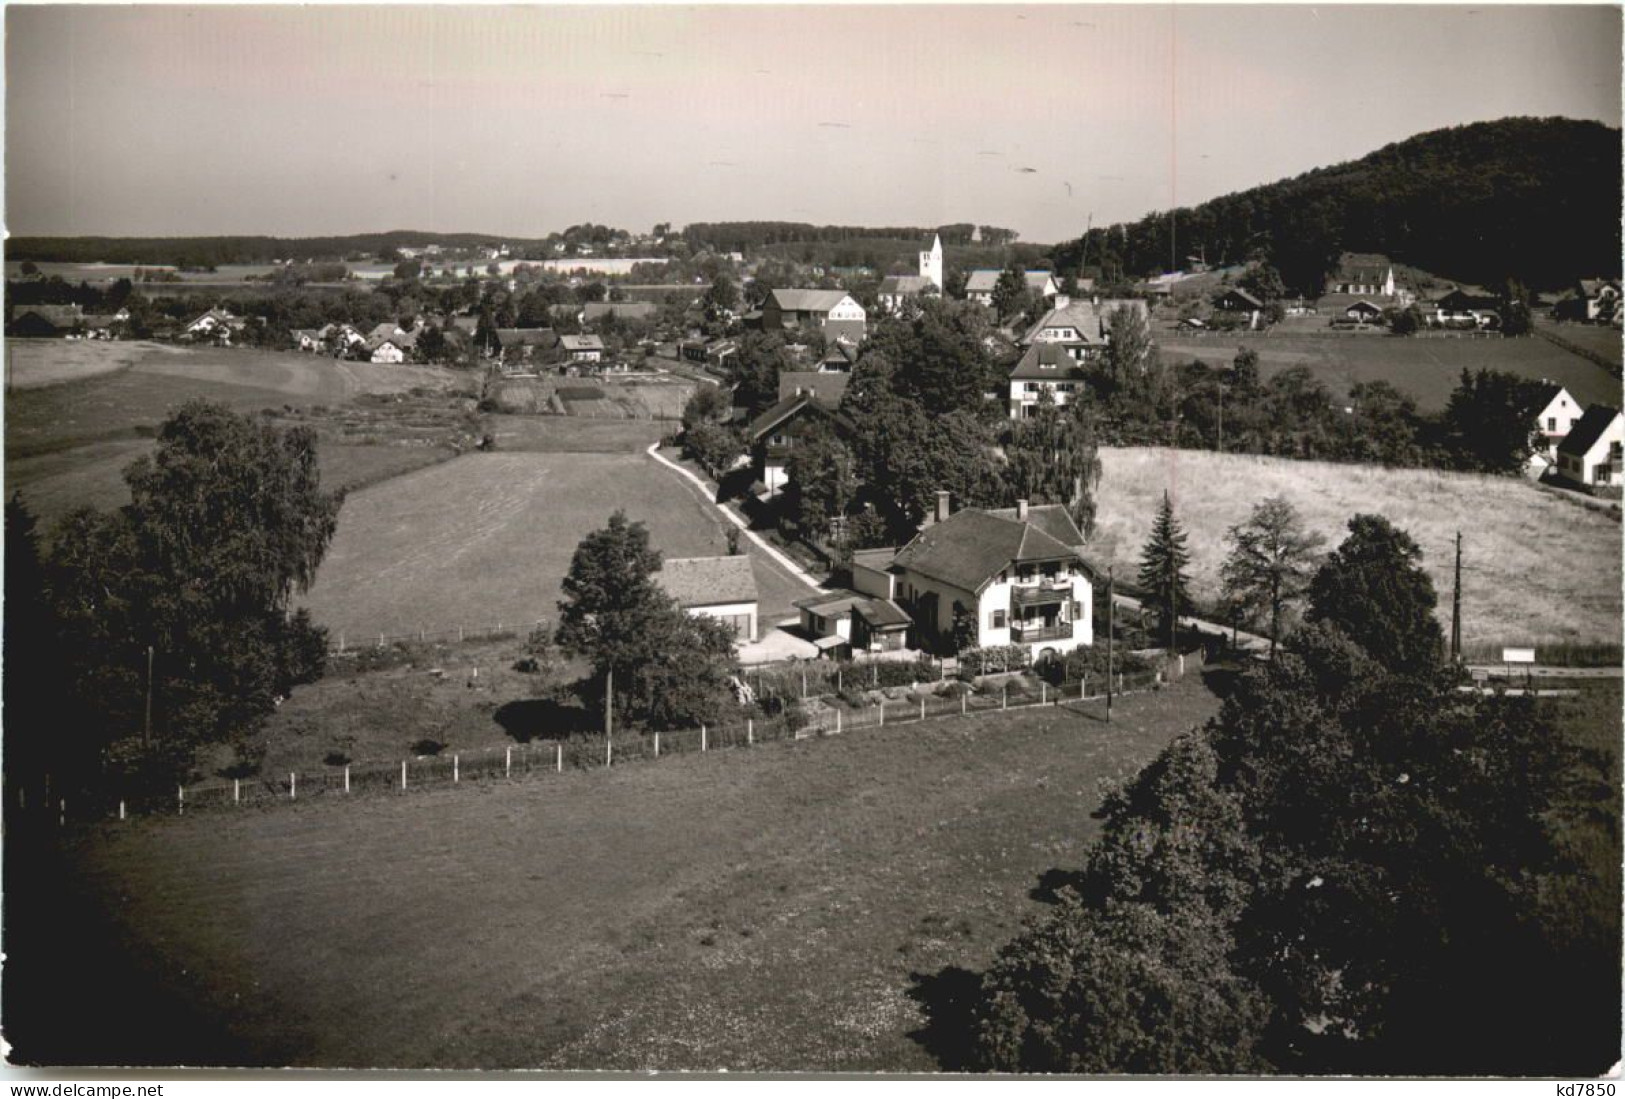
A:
(931, 262)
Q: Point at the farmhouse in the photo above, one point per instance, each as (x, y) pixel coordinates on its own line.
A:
(826, 387)
(1590, 453)
(847, 622)
(1008, 576)
(307, 339)
(723, 588)
(394, 349)
(1364, 275)
(583, 349)
(1236, 300)
(1591, 300)
(1363, 312)
(1082, 327)
(46, 321)
(1045, 367)
(216, 324)
(524, 344)
(834, 311)
(1458, 308)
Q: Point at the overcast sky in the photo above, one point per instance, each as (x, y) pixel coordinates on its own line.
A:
(301, 121)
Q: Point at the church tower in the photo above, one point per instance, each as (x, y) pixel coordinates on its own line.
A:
(931, 262)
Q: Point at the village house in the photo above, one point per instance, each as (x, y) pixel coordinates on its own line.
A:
(845, 623)
(1363, 274)
(981, 283)
(583, 349)
(804, 397)
(1590, 454)
(835, 312)
(522, 345)
(216, 324)
(1046, 367)
(1006, 576)
(1459, 307)
(723, 588)
(1558, 414)
(1591, 300)
(390, 349)
(840, 356)
(1234, 299)
(1083, 328)
(307, 339)
(46, 321)
(711, 352)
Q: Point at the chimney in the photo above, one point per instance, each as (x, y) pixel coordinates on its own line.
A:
(944, 505)
(1021, 510)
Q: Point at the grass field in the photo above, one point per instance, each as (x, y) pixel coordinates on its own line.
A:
(1538, 568)
(1600, 340)
(67, 444)
(798, 906)
(1428, 369)
(488, 538)
(31, 364)
(599, 398)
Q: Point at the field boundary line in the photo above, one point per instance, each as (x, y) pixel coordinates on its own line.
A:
(795, 570)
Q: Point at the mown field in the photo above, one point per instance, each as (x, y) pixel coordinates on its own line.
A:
(488, 538)
(637, 399)
(814, 905)
(1537, 568)
(67, 444)
(1426, 368)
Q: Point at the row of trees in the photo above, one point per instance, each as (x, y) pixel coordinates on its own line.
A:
(1355, 868)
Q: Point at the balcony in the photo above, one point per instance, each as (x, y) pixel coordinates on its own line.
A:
(1037, 631)
(1044, 594)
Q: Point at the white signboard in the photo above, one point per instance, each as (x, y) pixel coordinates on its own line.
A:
(1517, 656)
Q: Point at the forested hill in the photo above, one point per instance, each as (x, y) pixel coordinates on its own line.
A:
(1533, 198)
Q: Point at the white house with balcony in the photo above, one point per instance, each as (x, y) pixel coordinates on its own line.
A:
(1015, 575)
(1591, 452)
(1046, 367)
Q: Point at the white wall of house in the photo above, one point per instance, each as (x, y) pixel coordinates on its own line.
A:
(820, 626)
(1556, 420)
(741, 617)
(388, 353)
(871, 581)
(847, 309)
(1598, 466)
(1024, 394)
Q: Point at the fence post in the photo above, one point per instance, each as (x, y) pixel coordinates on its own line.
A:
(341, 641)
(702, 736)
(236, 791)
(456, 769)
(507, 765)
(804, 683)
(293, 786)
(963, 697)
(922, 708)
(1083, 687)
(62, 810)
(750, 731)
(882, 721)
(180, 799)
(403, 774)
(459, 634)
(346, 778)
(560, 748)
(1004, 702)
(837, 719)
(840, 680)
(1043, 693)
(121, 809)
(657, 745)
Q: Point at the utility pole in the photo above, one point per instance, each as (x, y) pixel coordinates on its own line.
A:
(609, 714)
(1221, 417)
(146, 735)
(1111, 622)
(1455, 609)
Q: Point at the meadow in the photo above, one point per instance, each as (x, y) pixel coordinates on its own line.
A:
(1538, 568)
(1426, 368)
(488, 538)
(598, 398)
(809, 905)
(67, 443)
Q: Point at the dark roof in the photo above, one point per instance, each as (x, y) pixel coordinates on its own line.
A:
(809, 301)
(1587, 430)
(1046, 361)
(528, 337)
(826, 388)
(1238, 292)
(626, 310)
(776, 415)
(1461, 299)
(971, 547)
(1053, 519)
(708, 581)
(843, 352)
(874, 558)
(853, 331)
(879, 613)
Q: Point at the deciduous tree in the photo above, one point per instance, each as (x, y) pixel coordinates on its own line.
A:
(1270, 564)
(1373, 589)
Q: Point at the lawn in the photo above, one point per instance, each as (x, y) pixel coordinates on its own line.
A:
(1426, 368)
(797, 906)
(488, 538)
(1538, 568)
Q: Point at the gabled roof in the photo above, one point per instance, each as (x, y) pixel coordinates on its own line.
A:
(787, 408)
(1038, 280)
(708, 581)
(906, 284)
(809, 301)
(1046, 361)
(1587, 430)
(982, 280)
(826, 388)
(878, 613)
(1592, 287)
(1362, 267)
(841, 352)
(1083, 316)
(1238, 292)
(625, 310)
(582, 343)
(62, 316)
(1457, 298)
(971, 547)
(1546, 392)
(1053, 519)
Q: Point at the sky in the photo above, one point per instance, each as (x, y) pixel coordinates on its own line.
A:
(309, 120)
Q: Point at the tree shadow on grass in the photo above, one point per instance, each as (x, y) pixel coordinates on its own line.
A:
(948, 999)
(1221, 679)
(529, 719)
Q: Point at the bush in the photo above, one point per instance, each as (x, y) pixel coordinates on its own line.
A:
(336, 759)
(1090, 660)
(994, 659)
(427, 747)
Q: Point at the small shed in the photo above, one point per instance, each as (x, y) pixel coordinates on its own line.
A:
(723, 588)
